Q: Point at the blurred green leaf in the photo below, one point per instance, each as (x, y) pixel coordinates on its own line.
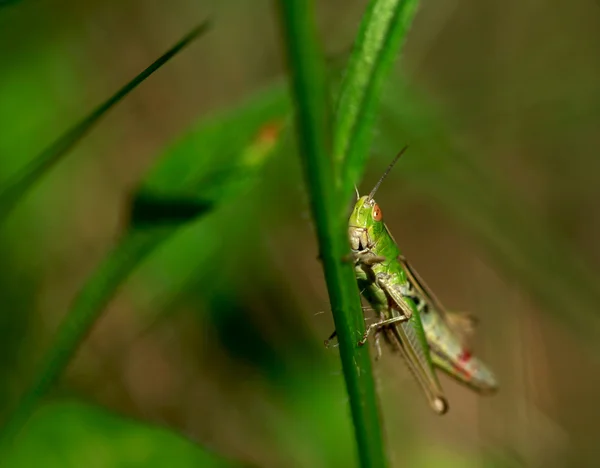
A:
(69, 434)
(23, 180)
(233, 148)
(382, 31)
(214, 161)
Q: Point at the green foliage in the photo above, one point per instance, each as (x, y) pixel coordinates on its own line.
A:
(213, 162)
(382, 32)
(225, 165)
(21, 183)
(70, 435)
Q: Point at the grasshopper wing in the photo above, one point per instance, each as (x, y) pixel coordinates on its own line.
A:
(448, 336)
(464, 323)
(410, 339)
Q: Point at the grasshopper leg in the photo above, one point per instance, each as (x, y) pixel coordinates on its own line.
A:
(368, 258)
(384, 283)
(377, 326)
(365, 257)
(372, 260)
(334, 334)
(331, 337)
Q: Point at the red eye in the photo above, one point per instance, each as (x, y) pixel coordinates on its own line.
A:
(377, 214)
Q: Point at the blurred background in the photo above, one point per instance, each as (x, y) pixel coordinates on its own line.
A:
(218, 335)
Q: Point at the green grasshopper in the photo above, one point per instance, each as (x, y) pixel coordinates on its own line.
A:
(412, 320)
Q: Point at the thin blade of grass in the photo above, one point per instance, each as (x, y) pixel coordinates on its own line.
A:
(382, 32)
(180, 189)
(21, 182)
(312, 122)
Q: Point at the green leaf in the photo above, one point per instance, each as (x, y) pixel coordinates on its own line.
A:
(313, 127)
(69, 434)
(382, 32)
(215, 161)
(23, 180)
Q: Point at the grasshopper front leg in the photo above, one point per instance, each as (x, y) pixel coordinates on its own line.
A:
(379, 325)
(331, 337)
(334, 333)
(367, 258)
(378, 351)
(405, 311)
(364, 257)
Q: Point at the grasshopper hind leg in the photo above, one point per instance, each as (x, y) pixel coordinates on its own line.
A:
(439, 405)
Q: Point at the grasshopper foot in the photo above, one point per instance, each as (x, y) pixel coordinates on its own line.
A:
(327, 342)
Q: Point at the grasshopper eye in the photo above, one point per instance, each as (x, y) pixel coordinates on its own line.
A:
(377, 214)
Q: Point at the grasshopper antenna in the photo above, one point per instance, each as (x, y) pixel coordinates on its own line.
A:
(387, 171)
(357, 194)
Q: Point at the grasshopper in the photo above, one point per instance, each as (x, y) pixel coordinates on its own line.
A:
(412, 320)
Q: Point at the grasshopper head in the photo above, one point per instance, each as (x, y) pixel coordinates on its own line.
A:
(365, 224)
(366, 221)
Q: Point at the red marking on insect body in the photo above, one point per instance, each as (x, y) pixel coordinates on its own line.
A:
(461, 365)
(465, 356)
(462, 370)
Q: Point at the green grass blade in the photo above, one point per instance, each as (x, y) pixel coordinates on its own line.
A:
(215, 161)
(21, 182)
(312, 121)
(382, 31)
